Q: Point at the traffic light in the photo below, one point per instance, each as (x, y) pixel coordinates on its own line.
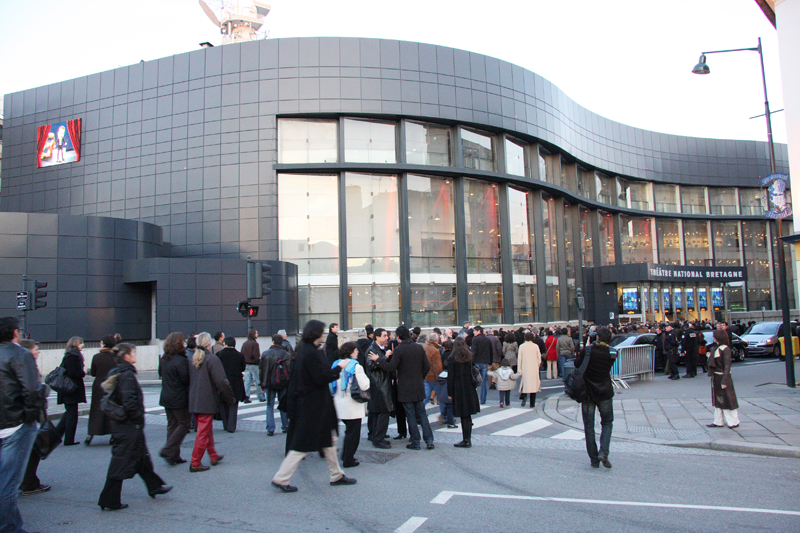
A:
(253, 310)
(258, 280)
(263, 275)
(244, 308)
(38, 303)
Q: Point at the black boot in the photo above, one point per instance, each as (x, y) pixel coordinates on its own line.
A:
(533, 399)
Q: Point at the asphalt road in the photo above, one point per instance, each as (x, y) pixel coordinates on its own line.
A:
(512, 479)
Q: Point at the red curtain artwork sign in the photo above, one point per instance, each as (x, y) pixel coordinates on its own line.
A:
(58, 143)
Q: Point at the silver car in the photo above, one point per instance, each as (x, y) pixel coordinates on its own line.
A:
(764, 339)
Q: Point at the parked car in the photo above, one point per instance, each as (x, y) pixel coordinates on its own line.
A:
(738, 344)
(764, 339)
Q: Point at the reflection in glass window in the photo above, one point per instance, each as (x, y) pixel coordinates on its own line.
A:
(669, 241)
(481, 220)
(634, 195)
(367, 141)
(723, 201)
(587, 248)
(477, 150)
(727, 244)
(307, 141)
(696, 242)
(569, 178)
(666, 198)
(427, 144)
(753, 201)
(636, 239)
(605, 187)
(486, 303)
(542, 168)
(756, 257)
(787, 230)
(308, 231)
(552, 171)
(586, 183)
(570, 214)
(520, 213)
(693, 200)
(515, 158)
(373, 249)
(606, 228)
(550, 221)
(431, 232)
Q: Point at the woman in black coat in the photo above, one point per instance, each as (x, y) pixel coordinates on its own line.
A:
(129, 456)
(461, 391)
(102, 363)
(73, 364)
(313, 425)
(173, 368)
(234, 364)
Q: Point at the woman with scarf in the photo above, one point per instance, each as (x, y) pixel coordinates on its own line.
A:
(349, 410)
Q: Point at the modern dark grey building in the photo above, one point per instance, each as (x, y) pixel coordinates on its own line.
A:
(405, 181)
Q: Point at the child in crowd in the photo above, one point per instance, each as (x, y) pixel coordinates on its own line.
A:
(506, 381)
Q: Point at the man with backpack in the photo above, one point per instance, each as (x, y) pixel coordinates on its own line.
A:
(275, 367)
(599, 395)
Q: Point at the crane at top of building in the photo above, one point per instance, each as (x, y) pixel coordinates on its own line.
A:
(238, 20)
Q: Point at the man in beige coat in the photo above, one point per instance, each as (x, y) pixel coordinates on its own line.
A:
(528, 362)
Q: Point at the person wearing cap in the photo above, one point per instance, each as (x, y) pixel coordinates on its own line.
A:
(671, 345)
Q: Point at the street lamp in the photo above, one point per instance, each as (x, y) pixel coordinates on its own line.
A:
(702, 68)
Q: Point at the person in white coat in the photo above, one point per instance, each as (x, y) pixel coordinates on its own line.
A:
(350, 411)
(528, 363)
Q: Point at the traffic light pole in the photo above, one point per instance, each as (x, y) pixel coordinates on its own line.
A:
(24, 321)
(249, 284)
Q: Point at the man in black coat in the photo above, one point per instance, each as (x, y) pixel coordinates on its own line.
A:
(689, 346)
(412, 365)
(600, 396)
(380, 392)
(269, 360)
(482, 356)
(332, 343)
(671, 346)
(234, 364)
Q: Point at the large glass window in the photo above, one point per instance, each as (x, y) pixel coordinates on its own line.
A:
(477, 150)
(787, 230)
(634, 195)
(605, 187)
(727, 244)
(693, 200)
(666, 196)
(637, 239)
(515, 158)
(542, 168)
(520, 214)
(307, 141)
(570, 214)
(367, 141)
(753, 201)
(669, 241)
(723, 201)
(431, 232)
(756, 256)
(605, 223)
(481, 210)
(550, 220)
(587, 242)
(696, 242)
(586, 183)
(569, 179)
(427, 144)
(373, 249)
(308, 230)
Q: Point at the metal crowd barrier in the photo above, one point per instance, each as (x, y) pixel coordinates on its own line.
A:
(633, 361)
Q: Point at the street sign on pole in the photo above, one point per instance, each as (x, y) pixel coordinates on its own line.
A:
(22, 300)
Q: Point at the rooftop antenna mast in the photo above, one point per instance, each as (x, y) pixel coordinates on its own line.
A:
(239, 20)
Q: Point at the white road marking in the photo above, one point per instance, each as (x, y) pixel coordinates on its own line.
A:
(411, 525)
(153, 410)
(570, 434)
(445, 496)
(524, 429)
(489, 419)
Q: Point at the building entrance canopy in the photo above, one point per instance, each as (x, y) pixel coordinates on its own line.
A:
(671, 273)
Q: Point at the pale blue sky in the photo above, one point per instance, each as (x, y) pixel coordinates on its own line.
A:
(627, 60)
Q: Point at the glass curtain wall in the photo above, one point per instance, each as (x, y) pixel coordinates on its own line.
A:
(723, 201)
(693, 200)
(666, 197)
(697, 243)
(727, 243)
(432, 250)
(477, 150)
(568, 178)
(636, 239)
(550, 220)
(520, 213)
(373, 249)
(607, 249)
(787, 252)
(669, 241)
(586, 183)
(752, 201)
(307, 141)
(308, 230)
(427, 144)
(515, 158)
(634, 195)
(569, 243)
(484, 275)
(756, 256)
(368, 141)
(587, 242)
(605, 188)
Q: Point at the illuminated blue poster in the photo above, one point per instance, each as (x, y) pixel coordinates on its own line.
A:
(655, 300)
(678, 300)
(667, 304)
(716, 299)
(646, 299)
(630, 300)
(690, 299)
(702, 299)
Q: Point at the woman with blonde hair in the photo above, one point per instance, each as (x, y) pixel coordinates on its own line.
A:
(73, 364)
(206, 382)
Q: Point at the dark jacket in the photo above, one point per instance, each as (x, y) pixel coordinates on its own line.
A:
(174, 374)
(598, 372)
(268, 361)
(481, 350)
(332, 347)
(671, 342)
(363, 344)
(689, 342)
(206, 384)
(460, 389)
(411, 364)
(312, 415)
(22, 397)
(497, 348)
(234, 365)
(251, 352)
(102, 363)
(73, 364)
(380, 384)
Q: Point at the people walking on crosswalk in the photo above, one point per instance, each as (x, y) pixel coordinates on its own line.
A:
(270, 386)
(173, 367)
(528, 363)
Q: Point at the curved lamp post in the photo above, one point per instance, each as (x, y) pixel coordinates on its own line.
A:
(702, 68)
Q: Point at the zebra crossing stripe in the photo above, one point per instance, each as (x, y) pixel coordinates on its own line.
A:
(524, 429)
(569, 435)
(488, 419)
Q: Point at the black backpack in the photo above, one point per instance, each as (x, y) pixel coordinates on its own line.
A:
(279, 377)
(575, 384)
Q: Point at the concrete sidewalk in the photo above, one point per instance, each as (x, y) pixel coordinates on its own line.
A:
(676, 413)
